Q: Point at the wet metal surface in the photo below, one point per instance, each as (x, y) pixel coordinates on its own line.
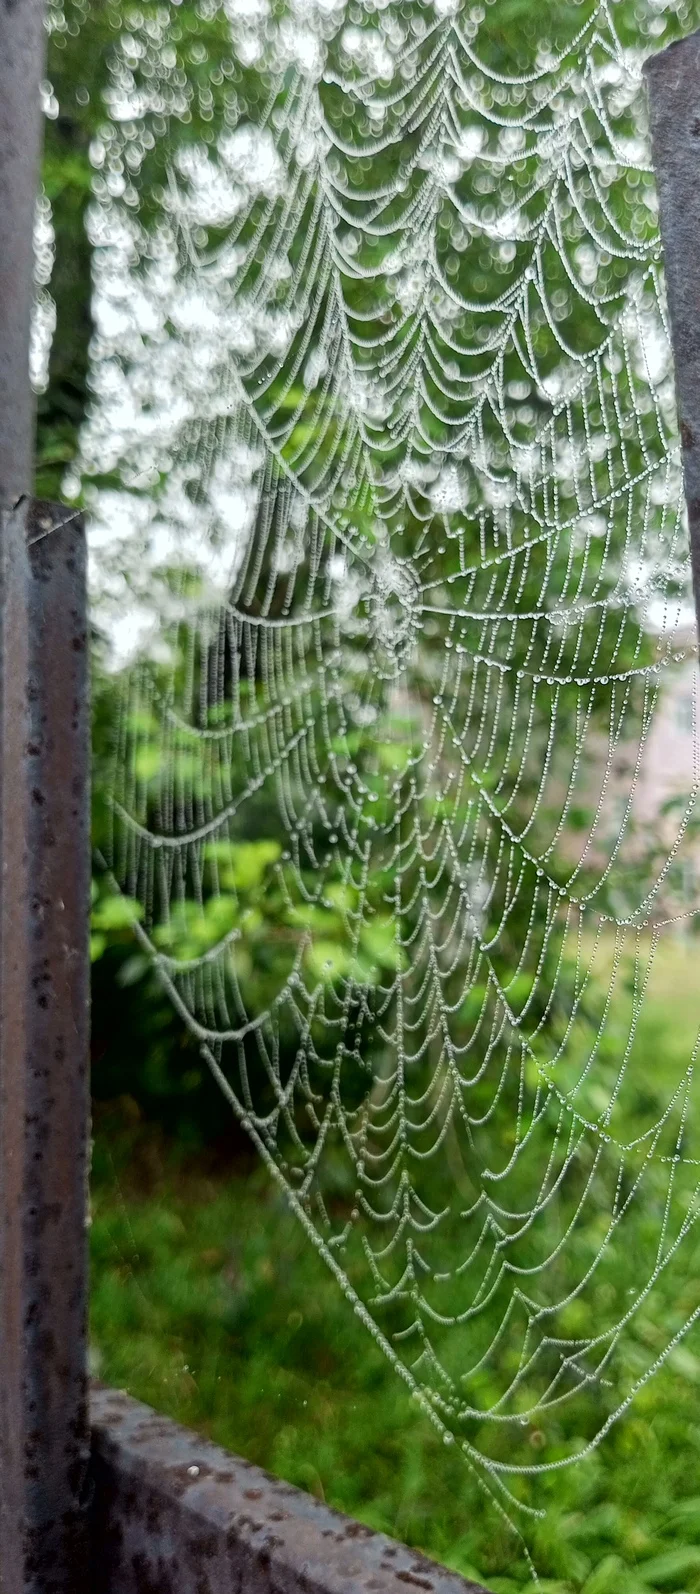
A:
(21, 71)
(174, 1514)
(673, 80)
(44, 916)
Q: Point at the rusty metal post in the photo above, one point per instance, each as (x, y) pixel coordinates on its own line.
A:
(673, 80)
(21, 71)
(44, 1015)
(44, 909)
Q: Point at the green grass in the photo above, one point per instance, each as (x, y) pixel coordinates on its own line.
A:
(209, 1303)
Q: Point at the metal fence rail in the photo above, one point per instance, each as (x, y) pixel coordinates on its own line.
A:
(174, 1513)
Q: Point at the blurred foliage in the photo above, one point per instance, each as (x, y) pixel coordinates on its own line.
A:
(209, 1304)
(179, 61)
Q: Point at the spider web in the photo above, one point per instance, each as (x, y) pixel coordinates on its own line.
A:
(417, 556)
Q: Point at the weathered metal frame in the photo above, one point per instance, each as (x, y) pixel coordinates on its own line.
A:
(44, 1051)
(673, 82)
(174, 1514)
(21, 70)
